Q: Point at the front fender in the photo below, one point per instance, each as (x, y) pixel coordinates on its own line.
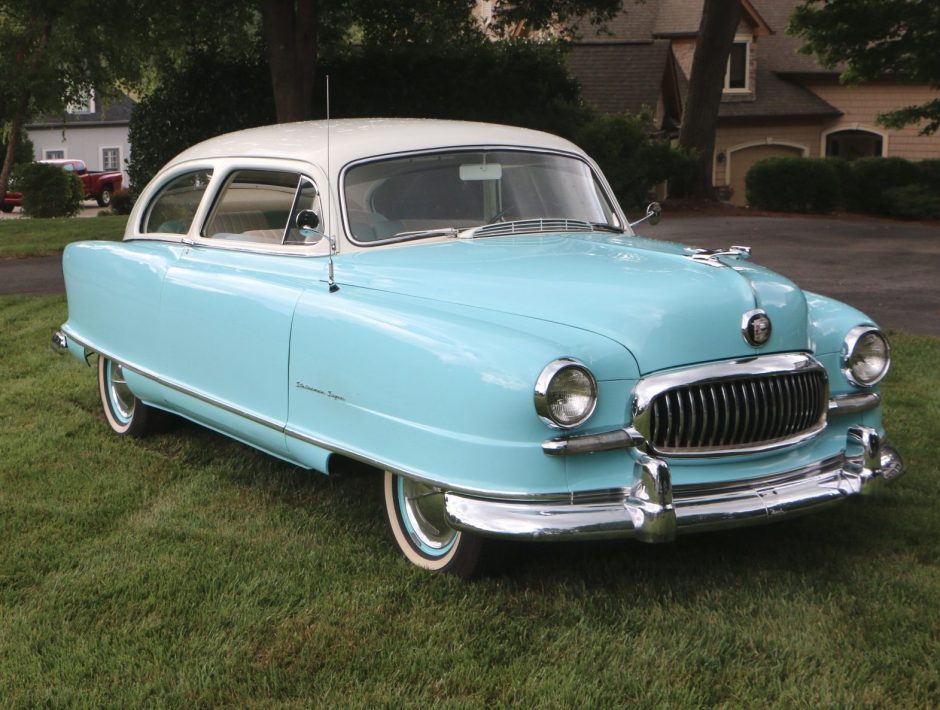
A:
(441, 391)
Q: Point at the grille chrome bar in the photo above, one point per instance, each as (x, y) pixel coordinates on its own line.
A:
(737, 406)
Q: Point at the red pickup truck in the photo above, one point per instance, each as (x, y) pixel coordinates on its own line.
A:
(99, 184)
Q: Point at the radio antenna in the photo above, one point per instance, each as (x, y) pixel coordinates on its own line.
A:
(329, 197)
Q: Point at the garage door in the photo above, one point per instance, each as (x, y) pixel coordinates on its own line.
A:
(742, 160)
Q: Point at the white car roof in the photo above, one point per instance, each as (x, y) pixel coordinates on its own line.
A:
(355, 139)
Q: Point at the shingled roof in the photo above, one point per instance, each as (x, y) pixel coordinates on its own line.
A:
(621, 66)
(115, 113)
(617, 86)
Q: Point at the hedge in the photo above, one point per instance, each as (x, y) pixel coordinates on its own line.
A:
(793, 185)
(48, 190)
(892, 187)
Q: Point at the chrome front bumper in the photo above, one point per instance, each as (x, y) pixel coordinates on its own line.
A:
(653, 510)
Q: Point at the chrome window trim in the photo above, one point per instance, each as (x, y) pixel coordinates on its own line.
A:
(153, 189)
(341, 182)
(540, 394)
(649, 387)
(848, 346)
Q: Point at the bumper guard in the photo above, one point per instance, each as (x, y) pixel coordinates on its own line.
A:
(653, 510)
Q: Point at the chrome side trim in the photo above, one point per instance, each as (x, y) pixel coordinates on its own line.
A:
(654, 511)
(312, 440)
(853, 403)
(589, 443)
(183, 389)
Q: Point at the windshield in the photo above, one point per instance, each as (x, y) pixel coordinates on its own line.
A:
(425, 195)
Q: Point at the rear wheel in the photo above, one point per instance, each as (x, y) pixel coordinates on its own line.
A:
(126, 414)
(415, 513)
(6, 208)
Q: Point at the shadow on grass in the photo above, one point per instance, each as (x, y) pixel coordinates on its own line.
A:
(810, 552)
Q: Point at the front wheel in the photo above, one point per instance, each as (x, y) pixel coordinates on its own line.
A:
(416, 520)
(104, 198)
(126, 414)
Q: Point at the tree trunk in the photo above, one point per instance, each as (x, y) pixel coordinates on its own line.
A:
(720, 20)
(290, 35)
(13, 139)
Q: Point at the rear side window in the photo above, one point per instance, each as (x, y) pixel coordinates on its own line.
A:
(173, 209)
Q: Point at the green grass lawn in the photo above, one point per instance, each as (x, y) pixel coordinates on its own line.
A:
(43, 237)
(186, 569)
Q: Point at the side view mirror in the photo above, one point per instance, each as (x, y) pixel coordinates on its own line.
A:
(307, 222)
(653, 214)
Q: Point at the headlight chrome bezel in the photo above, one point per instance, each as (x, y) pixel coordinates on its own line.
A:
(849, 345)
(543, 387)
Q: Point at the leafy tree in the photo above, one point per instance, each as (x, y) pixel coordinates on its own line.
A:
(54, 53)
(720, 20)
(877, 39)
(298, 34)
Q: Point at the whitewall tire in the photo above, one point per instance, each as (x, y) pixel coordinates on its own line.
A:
(415, 514)
(125, 414)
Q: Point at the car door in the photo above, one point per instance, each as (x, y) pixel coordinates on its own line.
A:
(229, 300)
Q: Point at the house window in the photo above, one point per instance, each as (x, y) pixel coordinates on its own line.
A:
(852, 144)
(82, 107)
(110, 158)
(54, 154)
(736, 75)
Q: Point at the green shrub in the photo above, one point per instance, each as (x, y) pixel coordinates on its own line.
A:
(203, 97)
(875, 175)
(633, 162)
(48, 190)
(793, 185)
(913, 202)
(929, 173)
(122, 201)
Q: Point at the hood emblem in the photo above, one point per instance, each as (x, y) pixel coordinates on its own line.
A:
(756, 327)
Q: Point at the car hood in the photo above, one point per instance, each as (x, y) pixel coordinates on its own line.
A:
(665, 308)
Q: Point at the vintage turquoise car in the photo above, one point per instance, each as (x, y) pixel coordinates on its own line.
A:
(465, 308)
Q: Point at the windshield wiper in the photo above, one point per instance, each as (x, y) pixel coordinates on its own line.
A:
(435, 232)
(604, 227)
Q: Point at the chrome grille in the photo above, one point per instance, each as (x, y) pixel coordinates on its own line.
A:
(736, 413)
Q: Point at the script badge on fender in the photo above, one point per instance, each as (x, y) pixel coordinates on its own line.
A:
(756, 327)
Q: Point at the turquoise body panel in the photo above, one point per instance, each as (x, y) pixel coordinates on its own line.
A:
(426, 357)
(667, 309)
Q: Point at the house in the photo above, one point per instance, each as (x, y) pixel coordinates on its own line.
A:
(776, 102)
(94, 132)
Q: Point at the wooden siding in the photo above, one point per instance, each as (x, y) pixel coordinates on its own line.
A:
(861, 104)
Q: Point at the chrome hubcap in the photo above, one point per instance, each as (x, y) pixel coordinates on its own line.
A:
(424, 508)
(122, 400)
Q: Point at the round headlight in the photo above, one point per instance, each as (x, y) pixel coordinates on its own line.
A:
(866, 356)
(565, 394)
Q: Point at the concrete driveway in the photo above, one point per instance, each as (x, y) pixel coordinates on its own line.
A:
(890, 270)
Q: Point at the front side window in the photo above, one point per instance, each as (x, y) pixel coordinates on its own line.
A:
(174, 207)
(398, 198)
(260, 206)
